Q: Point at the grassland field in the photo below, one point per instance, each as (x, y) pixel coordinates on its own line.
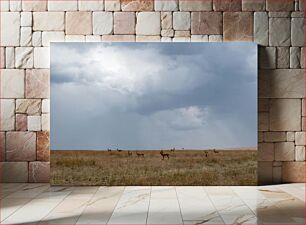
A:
(184, 167)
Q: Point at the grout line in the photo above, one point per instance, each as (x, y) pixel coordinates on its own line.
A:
(217, 211)
(54, 207)
(23, 185)
(28, 203)
(178, 201)
(88, 201)
(116, 205)
(149, 205)
(246, 203)
(4, 218)
(29, 199)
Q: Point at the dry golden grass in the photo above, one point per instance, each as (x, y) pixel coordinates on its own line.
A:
(185, 167)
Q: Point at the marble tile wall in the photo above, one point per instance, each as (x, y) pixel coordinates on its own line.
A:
(28, 27)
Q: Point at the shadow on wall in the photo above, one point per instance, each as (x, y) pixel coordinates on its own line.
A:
(280, 95)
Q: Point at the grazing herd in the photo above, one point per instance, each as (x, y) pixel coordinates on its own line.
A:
(162, 153)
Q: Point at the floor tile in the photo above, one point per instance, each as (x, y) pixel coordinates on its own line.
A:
(273, 215)
(164, 206)
(42, 204)
(69, 210)
(29, 191)
(297, 190)
(32, 212)
(100, 208)
(9, 188)
(195, 204)
(248, 192)
(9, 206)
(210, 219)
(132, 207)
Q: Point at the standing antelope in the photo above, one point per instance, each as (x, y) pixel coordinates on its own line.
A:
(139, 155)
(172, 149)
(130, 153)
(215, 151)
(206, 154)
(109, 150)
(164, 154)
(119, 150)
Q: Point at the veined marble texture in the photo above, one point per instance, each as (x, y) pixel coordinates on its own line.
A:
(42, 204)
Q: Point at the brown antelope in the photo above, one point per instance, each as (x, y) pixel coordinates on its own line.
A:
(164, 154)
(206, 154)
(215, 151)
(172, 149)
(130, 153)
(139, 155)
(119, 150)
(109, 150)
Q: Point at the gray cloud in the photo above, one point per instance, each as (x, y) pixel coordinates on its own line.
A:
(153, 95)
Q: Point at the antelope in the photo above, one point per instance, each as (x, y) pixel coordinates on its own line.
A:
(109, 150)
(139, 155)
(130, 153)
(119, 150)
(172, 149)
(164, 154)
(215, 151)
(206, 154)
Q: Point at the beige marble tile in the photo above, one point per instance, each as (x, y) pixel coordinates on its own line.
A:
(217, 190)
(296, 190)
(159, 192)
(238, 215)
(294, 208)
(209, 219)
(152, 205)
(29, 191)
(9, 188)
(164, 207)
(82, 192)
(272, 214)
(67, 212)
(195, 205)
(8, 206)
(132, 207)
(255, 205)
(164, 212)
(100, 208)
(230, 206)
(245, 192)
(274, 194)
(32, 212)
(54, 193)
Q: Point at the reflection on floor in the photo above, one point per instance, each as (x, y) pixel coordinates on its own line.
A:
(42, 204)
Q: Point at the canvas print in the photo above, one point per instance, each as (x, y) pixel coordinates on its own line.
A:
(153, 114)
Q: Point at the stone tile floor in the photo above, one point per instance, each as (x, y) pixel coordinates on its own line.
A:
(42, 204)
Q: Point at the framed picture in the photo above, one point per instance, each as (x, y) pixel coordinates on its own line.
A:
(154, 113)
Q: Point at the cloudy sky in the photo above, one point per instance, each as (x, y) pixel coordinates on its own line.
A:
(153, 95)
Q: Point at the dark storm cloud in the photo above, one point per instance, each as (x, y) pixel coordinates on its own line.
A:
(153, 95)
